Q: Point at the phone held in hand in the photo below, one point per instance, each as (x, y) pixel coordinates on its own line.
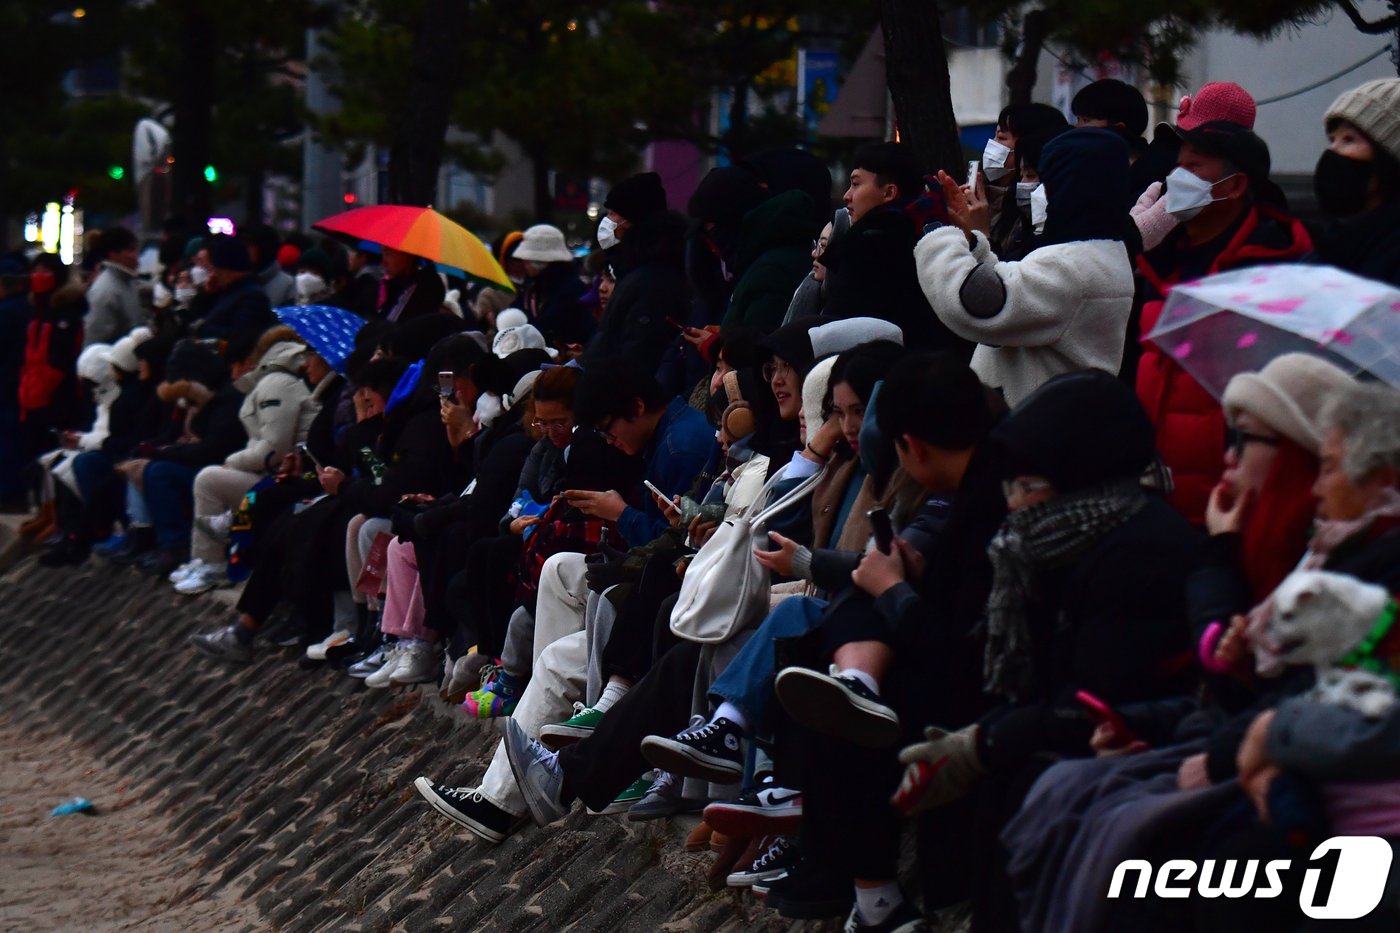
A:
(306, 455)
(675, 323)
(655, 491)
(882, 528)
(445, 387)
(972, 174)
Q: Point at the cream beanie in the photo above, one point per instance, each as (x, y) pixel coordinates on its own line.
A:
(1374, 109)
(1288, 395)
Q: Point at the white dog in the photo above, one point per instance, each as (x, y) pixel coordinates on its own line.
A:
(1320, 618)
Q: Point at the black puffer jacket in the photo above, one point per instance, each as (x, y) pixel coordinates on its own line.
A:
(416, 456)
(651, 285)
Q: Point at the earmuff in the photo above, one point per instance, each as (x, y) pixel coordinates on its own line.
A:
(738, 419)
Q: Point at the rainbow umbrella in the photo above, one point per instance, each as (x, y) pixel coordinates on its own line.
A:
(423, 232)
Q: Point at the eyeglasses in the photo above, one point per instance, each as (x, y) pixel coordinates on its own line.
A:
(771, 371)
(1236, 440)
(1023, 487)
(564, 425)
(605, 432)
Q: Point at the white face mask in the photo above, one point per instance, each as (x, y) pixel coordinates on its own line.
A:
(1040, 208)
(199, 274)
(185, 293)
(1023, 193)
(1188, 193)
(607, 233)
(994, 158)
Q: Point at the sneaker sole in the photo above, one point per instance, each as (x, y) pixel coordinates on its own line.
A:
(821, 704)
(557, 735)
(742, 822)
(747, 879)
(686, 762)
(425, 790)
(616, 807)
(409, 681)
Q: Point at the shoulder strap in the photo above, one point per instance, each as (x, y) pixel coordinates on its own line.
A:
(793, 496)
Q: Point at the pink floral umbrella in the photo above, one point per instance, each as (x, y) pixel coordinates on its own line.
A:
(1238, 321)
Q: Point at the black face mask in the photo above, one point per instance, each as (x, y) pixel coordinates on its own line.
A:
(1341, 184)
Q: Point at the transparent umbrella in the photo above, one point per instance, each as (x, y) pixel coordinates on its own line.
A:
(1238, 321)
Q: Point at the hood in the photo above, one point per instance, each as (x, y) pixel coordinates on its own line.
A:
(890, 220)
(285, 356)
(658, 239)
(1085, 173)
(814, 393)
(1078, 430)
(782, 220)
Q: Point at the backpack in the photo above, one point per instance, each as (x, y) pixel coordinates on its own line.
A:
(39, 379)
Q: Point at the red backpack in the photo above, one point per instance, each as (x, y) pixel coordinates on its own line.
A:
(39, 379)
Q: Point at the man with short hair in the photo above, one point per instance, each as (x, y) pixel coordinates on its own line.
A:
(870, 270)
(114, 305)
(1214, 194)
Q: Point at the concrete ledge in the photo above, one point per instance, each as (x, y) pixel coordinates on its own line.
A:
(294, 788)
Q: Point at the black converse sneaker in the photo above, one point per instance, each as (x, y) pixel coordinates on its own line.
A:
(710, 751)
(466, 807)
(773, 863)
(843, 707)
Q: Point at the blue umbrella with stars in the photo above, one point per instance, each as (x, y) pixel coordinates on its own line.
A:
(327, 330)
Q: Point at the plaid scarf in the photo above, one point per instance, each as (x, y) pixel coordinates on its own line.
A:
(1040, 538)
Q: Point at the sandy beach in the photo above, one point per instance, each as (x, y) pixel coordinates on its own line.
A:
(116, 870)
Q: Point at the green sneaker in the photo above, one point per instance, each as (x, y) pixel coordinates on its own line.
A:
(580, 726)
(634, 793)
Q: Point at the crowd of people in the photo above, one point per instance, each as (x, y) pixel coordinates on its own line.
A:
(823, 527)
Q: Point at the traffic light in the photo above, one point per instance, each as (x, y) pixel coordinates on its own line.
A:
(211, 174)
(116, 172)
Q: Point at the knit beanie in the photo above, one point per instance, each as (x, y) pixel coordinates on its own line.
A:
(230, 253)
(637, 198)
(1218, 100)
(124, 350)
(1288, 396)
(1374, 109)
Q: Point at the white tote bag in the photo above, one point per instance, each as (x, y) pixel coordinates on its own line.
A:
(725, 587)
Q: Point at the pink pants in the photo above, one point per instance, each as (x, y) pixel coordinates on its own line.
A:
(403, 595)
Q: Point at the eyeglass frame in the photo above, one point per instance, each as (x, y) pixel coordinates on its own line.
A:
(771, 370)
(539, 425)
(1237, 439)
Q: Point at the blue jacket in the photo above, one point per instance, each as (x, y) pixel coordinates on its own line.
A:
(677, 454)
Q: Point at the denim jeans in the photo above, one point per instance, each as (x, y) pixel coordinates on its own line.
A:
(748, 680)
(90, 468)
(170, 500)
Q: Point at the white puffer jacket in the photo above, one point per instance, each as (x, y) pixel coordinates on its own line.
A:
(273, 411)
(1064, 307)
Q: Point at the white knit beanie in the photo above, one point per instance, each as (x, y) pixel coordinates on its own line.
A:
(1374, 109)
(124, 350)
(1288, 395)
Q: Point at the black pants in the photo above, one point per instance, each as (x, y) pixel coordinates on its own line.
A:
(600, 767)
(641, 632)
(441, 558)
(300, 558)
(480, 599)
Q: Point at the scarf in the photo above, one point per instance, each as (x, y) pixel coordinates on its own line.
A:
(1043, 537)
(1327, 537)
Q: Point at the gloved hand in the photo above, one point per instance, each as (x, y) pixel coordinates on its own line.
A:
(937, 771)
(605, 568)
(1150, 215)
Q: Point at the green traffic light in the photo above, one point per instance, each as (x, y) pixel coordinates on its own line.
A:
(211, 174)
(116, 172)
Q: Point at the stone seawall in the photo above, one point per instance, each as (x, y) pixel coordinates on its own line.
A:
(293, 789)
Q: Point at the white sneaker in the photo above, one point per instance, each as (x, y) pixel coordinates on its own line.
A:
(418, 664)
(184, 570)
(317, 652)
(383, 677)
(215, 526)
(373, 662)
(203, 578)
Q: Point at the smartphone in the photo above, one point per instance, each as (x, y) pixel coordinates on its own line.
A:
(1101, 712)
(445, 387)
(676, 324)
(655, 491)
(972, 168)
(881, 527)
(307, 456)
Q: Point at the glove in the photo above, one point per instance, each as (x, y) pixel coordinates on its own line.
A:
(937, 771)
(605, 568)
(1150, 215)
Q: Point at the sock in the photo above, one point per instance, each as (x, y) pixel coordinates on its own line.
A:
(877, 903)
(507, 684)
(611, 694)
(731, 712)
(870, 682)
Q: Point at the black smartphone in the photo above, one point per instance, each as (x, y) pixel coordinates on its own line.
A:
(882, 528)
(676, 324)
(306, 455)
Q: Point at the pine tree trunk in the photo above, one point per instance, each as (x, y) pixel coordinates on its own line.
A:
(916, 70)
(194, 114)
(1020, 80)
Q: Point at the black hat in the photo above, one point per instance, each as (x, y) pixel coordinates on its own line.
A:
(228, 253)
(1231, 141)
(637, 198)
(726, 194)
(196, 362)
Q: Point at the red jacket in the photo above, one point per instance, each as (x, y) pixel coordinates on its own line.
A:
(1189, 421)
